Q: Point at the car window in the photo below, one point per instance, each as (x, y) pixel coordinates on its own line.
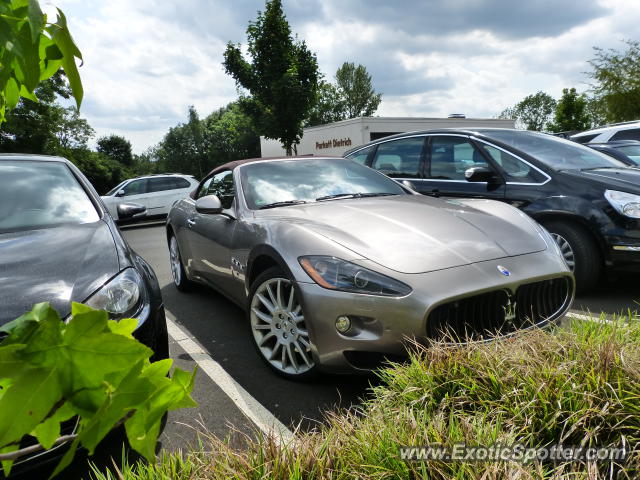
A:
(450, 157)
(554, 152)
(399, 158)
(264, 183)
(361, 155)
(513, 168)
(135, 187)
(585, 138)
(180, 183)
(160, 184)
(221, 185)
(630, 134)
(36, 194)
(631, 151)
(115, 189)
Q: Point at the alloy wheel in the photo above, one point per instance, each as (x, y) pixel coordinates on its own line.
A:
(279, 329)
(174, 257)
(566, 250)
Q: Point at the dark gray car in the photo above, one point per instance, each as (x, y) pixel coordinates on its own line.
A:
(337, 264)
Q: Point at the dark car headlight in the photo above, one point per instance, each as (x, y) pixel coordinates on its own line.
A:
(336, 274)
(124, 296)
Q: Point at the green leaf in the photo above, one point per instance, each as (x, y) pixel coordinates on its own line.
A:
(84, 323)
(7, 464)
(27, 94)
(27, 402)
(29, 61)
(36, 20)
(61, 36)
(11, 362)
(124, 327)
(12, 93)
(66, 460)
(48, 431)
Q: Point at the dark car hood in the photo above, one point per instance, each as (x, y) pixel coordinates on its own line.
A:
(626, 179)
(415, 233)
(56, 265)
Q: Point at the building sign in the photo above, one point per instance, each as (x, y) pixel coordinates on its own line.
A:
(334, 143)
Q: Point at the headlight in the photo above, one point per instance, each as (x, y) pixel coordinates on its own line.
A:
(625, 203)
(336, 274)
(123, 297)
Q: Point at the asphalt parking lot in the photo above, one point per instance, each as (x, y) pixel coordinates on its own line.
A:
(219, 327)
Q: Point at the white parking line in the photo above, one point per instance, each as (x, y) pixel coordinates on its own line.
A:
(248, 405)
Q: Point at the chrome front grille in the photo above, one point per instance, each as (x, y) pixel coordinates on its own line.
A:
(499, 312)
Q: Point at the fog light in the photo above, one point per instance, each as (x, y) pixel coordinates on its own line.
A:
(343, 324)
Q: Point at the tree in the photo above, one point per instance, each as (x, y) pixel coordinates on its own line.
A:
(571, 112)
(282, 77)
(617, 82)
(533, 112)
(356, 92)
(32, 50)
(328, 107)
(116, 147)
(230, 135)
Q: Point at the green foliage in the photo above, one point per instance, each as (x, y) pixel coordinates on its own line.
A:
(351, 96)
(32, 50)
(572, 113)
(281, 79)
(356, 92)
(117, 148)
(578, 385)
(617, 82)
(90, 368)
(534, 112)
(198, 146)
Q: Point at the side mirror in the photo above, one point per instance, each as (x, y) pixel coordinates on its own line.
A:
(480, 174)
(120, 193)
(127, 211)
(408, 184)
(209, 204)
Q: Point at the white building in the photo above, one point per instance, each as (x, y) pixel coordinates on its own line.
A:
(336, 138)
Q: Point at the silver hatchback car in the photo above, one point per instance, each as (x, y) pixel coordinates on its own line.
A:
(338, 265)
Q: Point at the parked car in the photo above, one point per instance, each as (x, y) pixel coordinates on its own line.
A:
(336, 264)
(156, 192)
(59, 245)
(627, 151)
(589, 201)
(615, 131)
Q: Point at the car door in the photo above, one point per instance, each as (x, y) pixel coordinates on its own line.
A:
(211, 235)
(448, 157)
(160, 197)
(400, 158)
(134, 192)
(524, 181)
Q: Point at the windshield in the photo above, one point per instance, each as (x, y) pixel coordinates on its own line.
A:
(631, 151)
(115, 189)
(555, 152)
(267, 183)
(35, 194)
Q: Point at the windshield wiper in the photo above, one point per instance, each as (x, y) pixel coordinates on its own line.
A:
(282, 204)
(353, 195)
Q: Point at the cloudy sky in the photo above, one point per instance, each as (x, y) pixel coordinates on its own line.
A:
(146, 61)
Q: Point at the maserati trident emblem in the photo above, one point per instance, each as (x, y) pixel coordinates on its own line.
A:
(503, 270)
(510, 311)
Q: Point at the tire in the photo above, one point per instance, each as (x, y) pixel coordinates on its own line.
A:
(580, 251)
(277, 328)
(178, 273)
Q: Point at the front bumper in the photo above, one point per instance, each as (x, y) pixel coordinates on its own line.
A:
(382, 326)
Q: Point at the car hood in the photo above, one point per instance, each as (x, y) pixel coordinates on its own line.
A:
(626, 179)
(56, 265)
(416, 234)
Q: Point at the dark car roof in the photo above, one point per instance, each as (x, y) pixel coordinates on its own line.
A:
(462, 131)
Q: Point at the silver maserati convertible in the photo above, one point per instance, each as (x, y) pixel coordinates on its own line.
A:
(338, 265)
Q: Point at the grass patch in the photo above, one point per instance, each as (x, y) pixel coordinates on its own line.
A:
(575, 386)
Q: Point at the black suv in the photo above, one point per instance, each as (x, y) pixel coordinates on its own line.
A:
(589, 201)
